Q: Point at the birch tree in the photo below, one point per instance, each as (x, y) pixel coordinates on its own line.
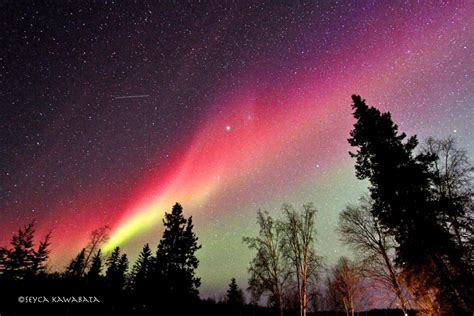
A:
(268, 270)
(374, 246)
(347, 283)
(298, 243)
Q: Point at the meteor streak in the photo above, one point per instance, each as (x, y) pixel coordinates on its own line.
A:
(131, 96)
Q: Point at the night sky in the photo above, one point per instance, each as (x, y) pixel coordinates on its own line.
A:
(112, 112)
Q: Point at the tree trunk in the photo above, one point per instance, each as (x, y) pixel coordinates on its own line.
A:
(280, 301)
(304, 301)
(394, 280)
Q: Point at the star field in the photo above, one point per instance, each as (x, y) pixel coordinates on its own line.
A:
(111, 112)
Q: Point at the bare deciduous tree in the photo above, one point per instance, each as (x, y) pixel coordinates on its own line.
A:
(97, 238)
(346, 284)
(332, 300)
(374, 246)
(268, 269)
(299, 235)
(453, 186)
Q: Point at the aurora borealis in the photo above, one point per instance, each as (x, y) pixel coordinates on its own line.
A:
(243, 106)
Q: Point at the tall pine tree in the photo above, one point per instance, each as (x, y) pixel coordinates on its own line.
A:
(234, 294)
(400, 186)
(96, 267)
(40, 256)
(176, 261)
(117, 265)
(141, 279)
(141, 268)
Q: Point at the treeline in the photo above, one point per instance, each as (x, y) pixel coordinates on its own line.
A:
(412, 235)
(163, 280)
(159, 282)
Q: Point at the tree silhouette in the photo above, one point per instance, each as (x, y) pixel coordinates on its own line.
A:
(40, 256)
(234, 294)
(112, 261)
(361, 230)
(76, 266)
(453, 189)
(94, 281)
(123, 267)
(95, 270)
(176, 261)
(141, 269)
(141, 278)
(22, 259)
(269, 270)
(117, 266)
(142, 266)
(97, 238)
(400, 186)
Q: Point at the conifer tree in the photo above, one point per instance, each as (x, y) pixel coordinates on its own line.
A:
(176, 261)
(76, 266)
(141, 268)
(113, 261)
(96, 267)
(117, 265)
(22, 259)
(40, 256)
(234, 294)
(123, 268)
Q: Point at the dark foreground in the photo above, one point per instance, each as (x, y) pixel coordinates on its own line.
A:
(17, 299)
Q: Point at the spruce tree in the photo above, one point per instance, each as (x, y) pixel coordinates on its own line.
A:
(18, 259)
(40, 256)
(141, 278)
(96, 267)
(76, 266)
(112, 267)
(176, 261)
(141, 268)
(234, 294)
(22, 260)
(123, 268)
(117, 266)
(112, 261)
